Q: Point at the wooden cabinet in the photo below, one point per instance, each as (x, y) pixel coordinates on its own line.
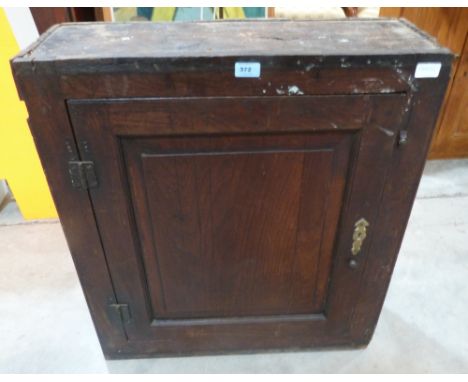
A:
(233, 194)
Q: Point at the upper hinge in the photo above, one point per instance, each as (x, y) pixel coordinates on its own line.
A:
(124, 311)
(402, 137)
(82, 174)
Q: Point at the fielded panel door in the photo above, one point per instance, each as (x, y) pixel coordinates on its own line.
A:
(228, 222)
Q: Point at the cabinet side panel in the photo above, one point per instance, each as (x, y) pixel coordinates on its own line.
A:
(54, 140)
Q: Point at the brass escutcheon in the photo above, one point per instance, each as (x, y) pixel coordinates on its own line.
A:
(359, 234)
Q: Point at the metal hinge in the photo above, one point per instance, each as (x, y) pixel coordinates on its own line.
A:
(82, 174)
(402, 137)
(124, 311)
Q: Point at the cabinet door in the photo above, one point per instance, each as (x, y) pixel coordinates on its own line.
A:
(228, 223)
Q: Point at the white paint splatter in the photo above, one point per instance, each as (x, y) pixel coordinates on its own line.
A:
(294, 90)
(280, 91)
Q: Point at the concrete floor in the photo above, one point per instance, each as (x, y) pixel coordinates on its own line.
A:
(45, 325)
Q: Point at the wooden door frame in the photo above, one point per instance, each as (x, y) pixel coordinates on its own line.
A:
(362, 199)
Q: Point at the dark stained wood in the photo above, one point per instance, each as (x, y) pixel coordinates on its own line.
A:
(225, 207)
(101, 129)
(84, 13)
(170, 252)
(268, 38)
(48, 117)
(45, 17)
(214, 115)
(397, 200)
(220, 252)
(324, 78)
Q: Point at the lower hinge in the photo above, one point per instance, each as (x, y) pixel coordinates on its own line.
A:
(82, 174)
(124, 311)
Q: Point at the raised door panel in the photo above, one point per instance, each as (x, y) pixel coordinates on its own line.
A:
(238, 226)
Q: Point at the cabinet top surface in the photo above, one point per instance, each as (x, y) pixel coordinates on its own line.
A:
(353, 37)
